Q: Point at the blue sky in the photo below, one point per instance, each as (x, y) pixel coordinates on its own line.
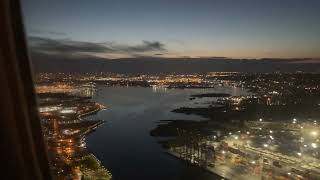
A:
(175, 28)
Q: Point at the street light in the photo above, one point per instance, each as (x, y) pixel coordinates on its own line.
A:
(265, 145)
(314, 145)
(294, 120)
(314, 133)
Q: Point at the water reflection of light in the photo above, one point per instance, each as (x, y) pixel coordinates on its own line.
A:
(156, 89)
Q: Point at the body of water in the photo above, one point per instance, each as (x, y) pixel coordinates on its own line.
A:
(123, 143)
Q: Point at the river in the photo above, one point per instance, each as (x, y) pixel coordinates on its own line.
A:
(123, 143)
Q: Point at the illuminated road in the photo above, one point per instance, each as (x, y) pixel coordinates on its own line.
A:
(228, 170)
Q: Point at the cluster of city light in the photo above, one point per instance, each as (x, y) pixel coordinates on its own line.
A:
(55, 88)
(314, 145)
(70, 132)
(236, 100)
(67, 111)
(49, 109)
(294, 121)
(313, 131)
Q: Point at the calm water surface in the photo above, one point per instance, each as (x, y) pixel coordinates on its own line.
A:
(124, 144)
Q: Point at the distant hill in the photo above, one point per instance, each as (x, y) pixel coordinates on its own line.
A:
(74, 63)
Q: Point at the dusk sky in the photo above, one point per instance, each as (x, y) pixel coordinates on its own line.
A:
(174, 28)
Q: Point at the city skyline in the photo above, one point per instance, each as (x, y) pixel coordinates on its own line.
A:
(161, 89)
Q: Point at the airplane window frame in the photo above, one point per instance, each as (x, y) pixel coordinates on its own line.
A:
(24, 152)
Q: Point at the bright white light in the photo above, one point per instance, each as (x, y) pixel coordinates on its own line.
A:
(260, 119)
(299, 154)
(260, 128)
(314, 145)
(236, 137)
(248, 132)
(253, 162)
(223, 152)
(271, 131)
(49, 109)
(314, 133)
(294, 121)
(67, 111)
(230, 133)
(265, 145)
(271, 137)
(305, 145)
(289, 173)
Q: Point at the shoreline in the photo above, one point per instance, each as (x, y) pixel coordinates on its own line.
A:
(71, 159)
(80, 116)
(90, 130)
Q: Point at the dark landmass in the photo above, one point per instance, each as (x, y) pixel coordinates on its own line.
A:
(211, 95)
(76, 63)
(46, 99)
(254, 112)
(168, 128)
